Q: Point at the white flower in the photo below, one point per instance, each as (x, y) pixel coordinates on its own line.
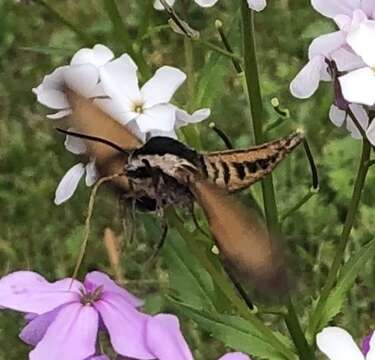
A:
(149, 106)
(359, 85)
(81, 75)
(342, 118)
(337, 344)
(257, 5)
(70, 180)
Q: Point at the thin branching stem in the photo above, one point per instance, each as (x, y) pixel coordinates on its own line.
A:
(270, 208)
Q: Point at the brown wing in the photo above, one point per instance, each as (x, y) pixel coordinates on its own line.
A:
(245, 245)
(88, 119)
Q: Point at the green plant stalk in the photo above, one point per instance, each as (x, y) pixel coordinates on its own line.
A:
(218, 49)
(121, 35)
(191, 132)
(270, 208)
(81, 35)
(348, 225)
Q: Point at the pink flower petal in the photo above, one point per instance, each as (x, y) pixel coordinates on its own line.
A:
(162, 86)
(35, 330)
(29, 292)
(371, 348)
(307, 80)
(95, 279)
(125, 325)
(159, 117)
(346, 60)
(72, 335)
(69, 183)
(235, 356)
(368, 6)
(165, 340)
(332, 8)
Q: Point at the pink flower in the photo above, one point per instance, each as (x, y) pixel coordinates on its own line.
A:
(68, 314)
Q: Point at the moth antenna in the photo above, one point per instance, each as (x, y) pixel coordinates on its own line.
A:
(223, 136)
(195, 220)
(94, 138)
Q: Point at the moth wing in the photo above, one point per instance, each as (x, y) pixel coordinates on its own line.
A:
(88, 119)
(245, 245)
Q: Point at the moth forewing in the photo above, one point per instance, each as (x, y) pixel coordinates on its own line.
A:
(245, 245)
(88, 119)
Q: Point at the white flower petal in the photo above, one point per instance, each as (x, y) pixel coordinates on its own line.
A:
(117, 109)
(69, 183)
(158, 5)
(75, 145)
(171, 134)
(361, 39)
(307, 80)
(371, 137)
(325, 44)
(342, 21)
(332, 8)
(98, 56)
(257, 5)
(368, 6)
(161, 87)
(54, 99)
(358, 86)
(60, 114)
(133, 127)
(159, 117)
(119, 79)
(82, 79)
(54, 80)
(362, 117)
(206, 3)
(337, 344)
(337, 116)
(183, 117)
(92, 174)
(346, 60)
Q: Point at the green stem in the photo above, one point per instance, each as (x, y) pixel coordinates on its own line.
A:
(348, 225)
(270, 208)
(219, 50)
(81, 35)
(299, 204)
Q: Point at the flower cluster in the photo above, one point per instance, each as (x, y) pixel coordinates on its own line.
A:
(345, 57)
(337, 344)
(65, 317)
(257, 5)
(113, 86)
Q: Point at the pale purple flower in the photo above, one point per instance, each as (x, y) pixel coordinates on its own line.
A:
(337, 344)
(67, 315)
(257, 5)
(348, 15)
(358, 86)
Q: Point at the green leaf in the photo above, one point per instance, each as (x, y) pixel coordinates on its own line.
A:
(237, 333)
(350, 271)
(188, 280)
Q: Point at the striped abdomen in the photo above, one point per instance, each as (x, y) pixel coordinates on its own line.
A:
(238, 169)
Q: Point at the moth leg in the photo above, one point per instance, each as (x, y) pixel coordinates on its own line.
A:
(191, 209)
(160, 244)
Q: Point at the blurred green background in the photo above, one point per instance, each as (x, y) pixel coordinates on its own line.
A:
(37, 235)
